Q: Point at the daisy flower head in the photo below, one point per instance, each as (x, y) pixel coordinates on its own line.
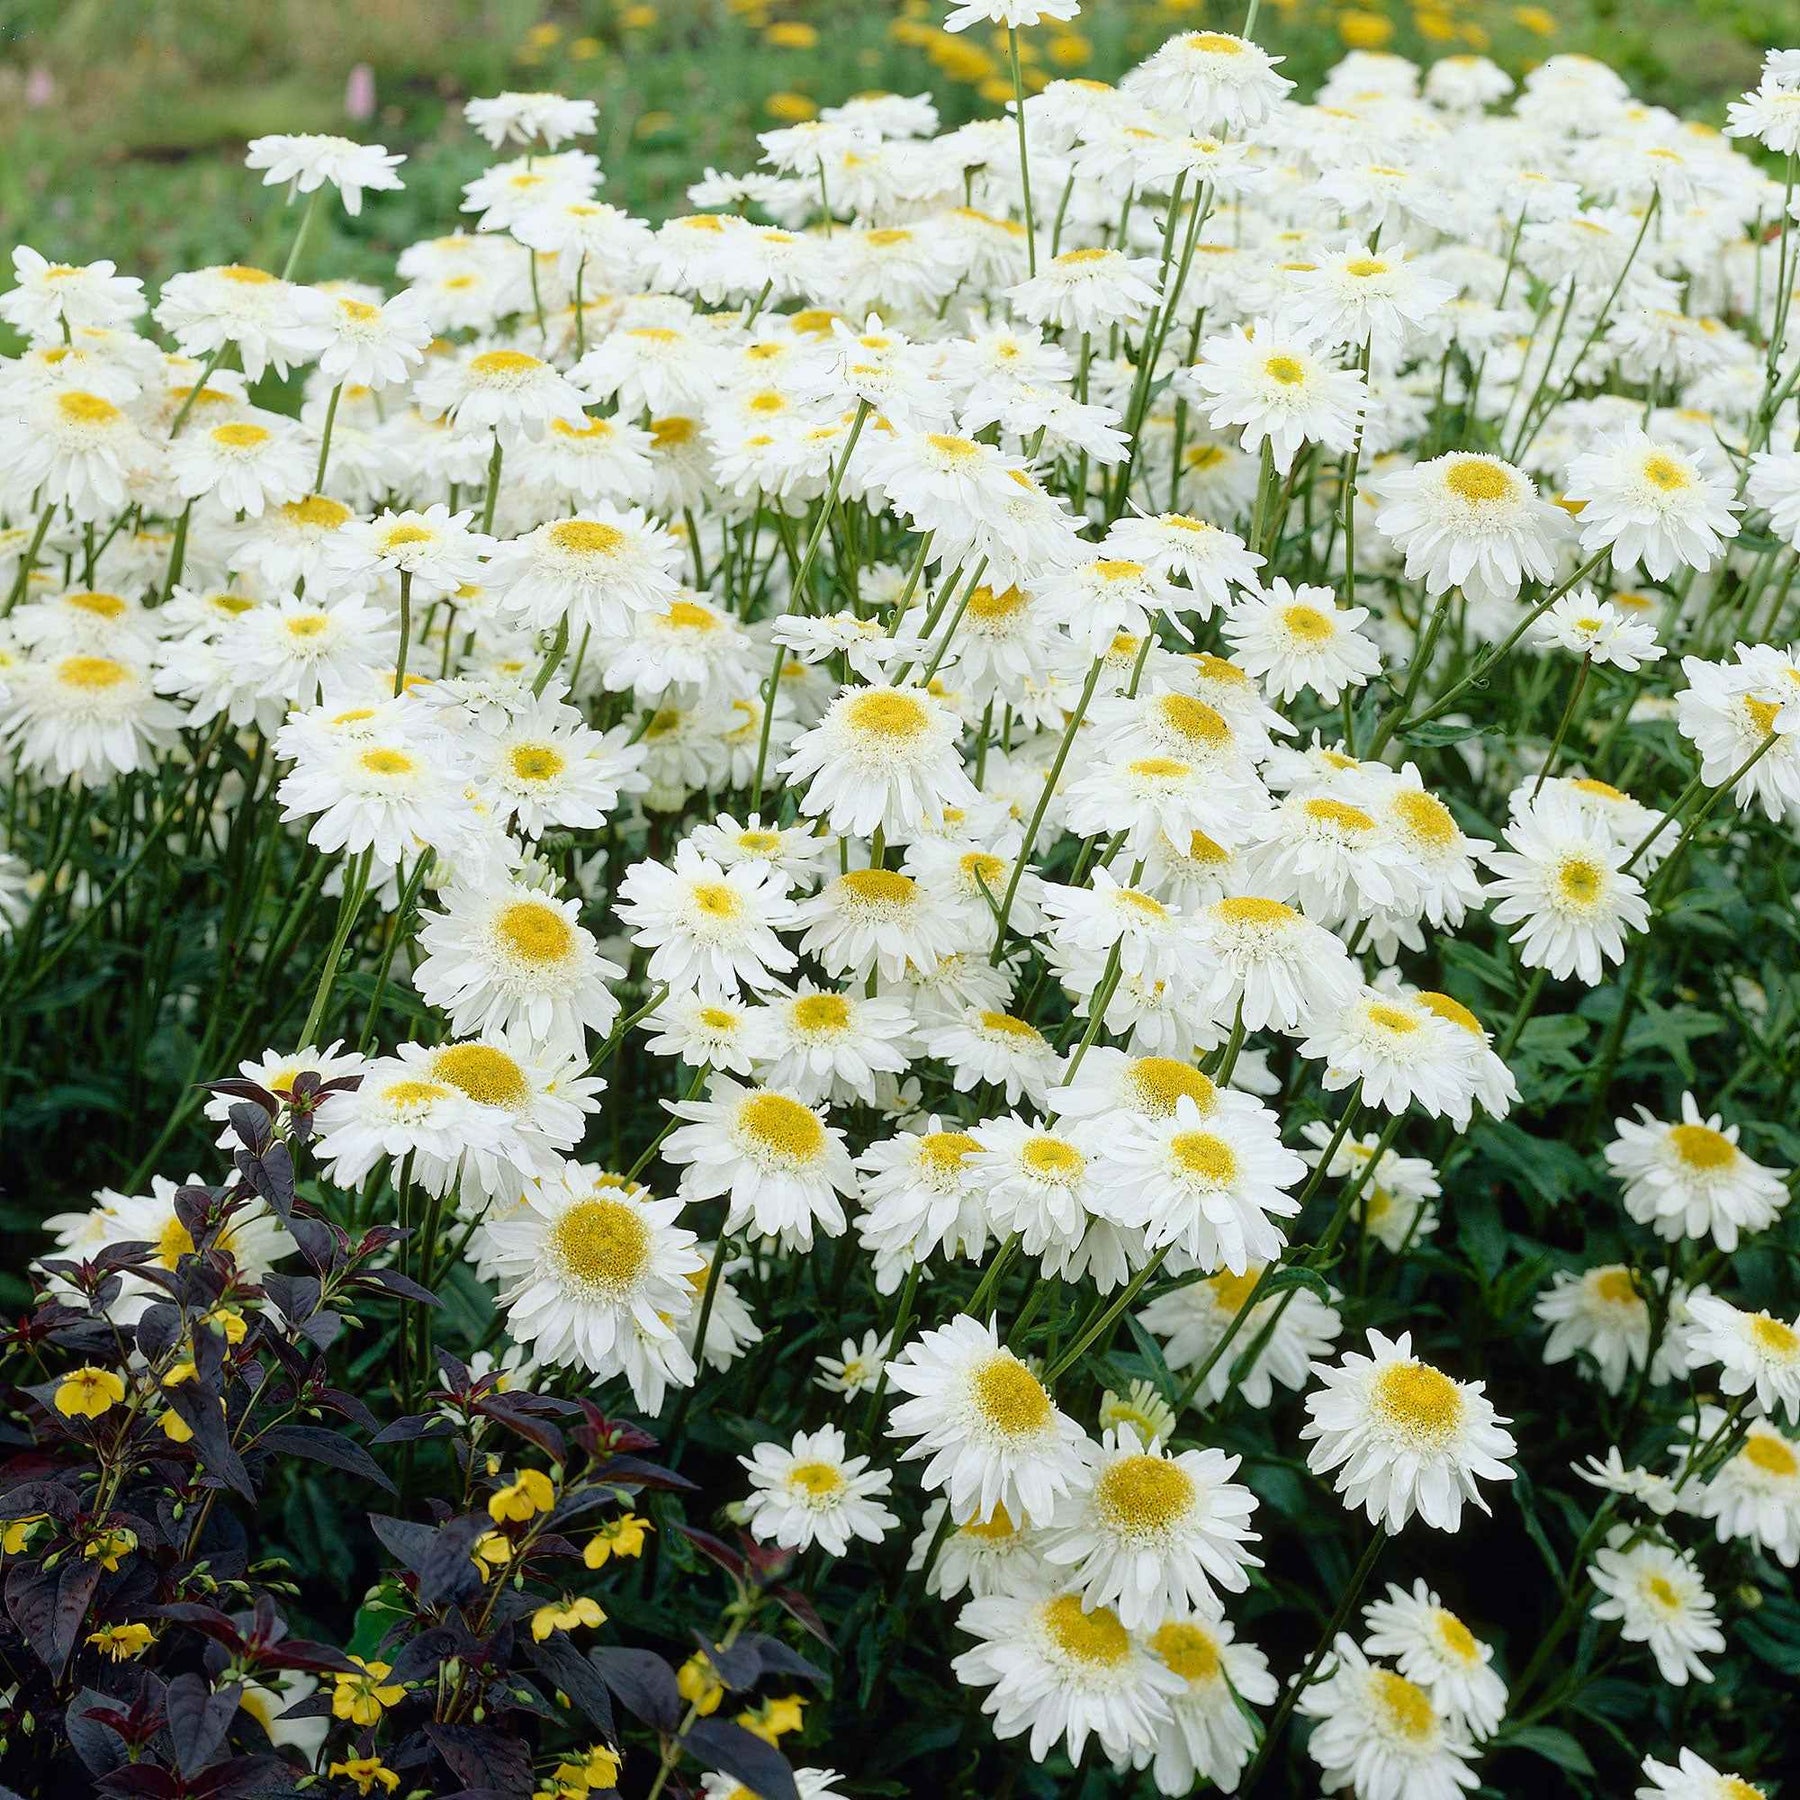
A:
(1471, 521)
(985, 1425)
(1403, 1437)
(1208, 1737)
(877, 920)
(73, 447)
(1065, 1673)
(1383, 1732)
(46, 295)
(1432, 1646)
(305, 161)
(521, 118)
(1756, 1352)
(1211, 81)
(1269, 962)
(777, 1162)
(273, 323)
(1400, 1051)
(1603, 1312)
(1011, 14)
(398, 1111)
(1042, 1184)
(1598, 631)
(1728, 711)
(243, 465)
(84, 718)
(374, 343)
(1563, 882)
(595, 1272)
(1656, 1594)
(1212, 561)
(1298, 639)
(921, 1195)
(1653, 504)
(385, 789)
(435, 550)
(984, 1557)
(509, 392)
(505, 955)
(857, 1367)
(1148, 1531)
(819, 1044)
(1087, 290)
(983, 1045)
(811, 1492)
(1282, 386)
(1754, 1495)
(1691, 1179)
(881, 757)
(1356, 296)
(600, 570)
(708, 929)
(1770, 113)
(1774, 485)
(1692, 1777)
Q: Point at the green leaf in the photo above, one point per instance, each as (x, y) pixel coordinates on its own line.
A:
(1431, 736)
(1547, 1741)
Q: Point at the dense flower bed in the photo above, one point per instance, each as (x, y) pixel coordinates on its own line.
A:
(929, 931)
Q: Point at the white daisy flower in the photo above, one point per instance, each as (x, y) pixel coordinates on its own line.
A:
(1757, 1353)
(1598, 631)
(1296, 639)
(1208, 1738)
(1432, 1646)
(1271, 962)
(921, 1194)
(85, 718)
(1600, 1311)
(307, 160)
(1284, 388)
(509, 392)
(1691, 1179)
(1653, 504)
(876, 920)
(1211, 81)
(1691, 1776)
(1192, 1318)
(1401, 1052)
(1754, 1495)
(708, 929)
(1085, 291)
(1658, 1598)
(597, 571)
(856, 1369)
(812, 1493)
(435, 550)
(731, 1328)
(399, 1112)
(819, 1044)
(982, 1045)
(46, 296)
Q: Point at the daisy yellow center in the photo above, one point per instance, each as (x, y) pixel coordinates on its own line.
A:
(716, 1018)
(1203, 1156)
(716, 899)
(887, 718)
(1391, 1019)
(1666, 473)
(316, 510)
(1404, 1704)
(759, 843)
(1004, 1025)
(398, 537)
(1095, 1638)
(1587, 624)
(1202, 849)
(1774, 1338)
(483, 1073)
(1249, 909)
(1075, 259)
(536, 762)
(1763, 713)
(1425, 817)
(403, 1096)
(534, 932)
(306, 625)
(983, 869)
(1193, 720)
(984, 603)
(1053, 1158)
(231, 604)
(245, 276)
(1452, 1012)
(587, 537)
(1009, 1397)
(92, 674)
(1471, 479)
(1161, 1084)
(1336, 812)
(101, 606)
(1187, 1649)
(995, 1530)
(1702, 1148)
(240, 436)
(685, 615)
(1365, 266)
(1307, 624)
(1616, 1287)
(504, 365)
(173, 1242)
(957, 449)
(1145, 905)
(1735, 1787)
(1141, 1496)
(1772, 1454)
(1231, 1293)
(943, 1151)
(782, 1128)
(82, 408)
(1215, 43)
(587, 430)
(383, 761)
(883, 888)
(671, 433)
(1660, 1589)
(603, 1244)
(1159, 768)
(1289, 371)
(359, 310)
(817, 1480)
(1456, 1637)
(821, 1012)
(1579, 880)
(1418, 1402)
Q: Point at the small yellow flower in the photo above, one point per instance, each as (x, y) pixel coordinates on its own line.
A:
(229, 1321)
(638, 18)
(364, 1697)
(623, 1536)
(122, 1642)
(791, 34)
(566, 1615)
(87, 1392)
(596, 1773)
(179, 1372)
(110, 1547)
(774, 1718)
(16, 1533)
(367, 1772)
(1363, 30)
(1537, 19)
(529, 1494)
(175, 1428)
(491, 1554)
(585, 49)
(698, 1685)
(790, 108)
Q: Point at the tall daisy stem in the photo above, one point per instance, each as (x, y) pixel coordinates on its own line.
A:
(1018, 81)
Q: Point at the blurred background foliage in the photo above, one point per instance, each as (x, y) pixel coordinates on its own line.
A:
(122, 122)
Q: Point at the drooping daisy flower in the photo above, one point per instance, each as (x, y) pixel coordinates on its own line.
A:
(1403, 1437)
(983, 1557)
(1754, 1494)
(307, 160)
(1432, 1646)
(1208, 1738)
(993, 1435)
(1757, 1353)
(1598, 631)
(1600, 1311)
(1691, 1179)
(813, 1493)
(1148, 1531)
(1656, 1594)
(779, 1164)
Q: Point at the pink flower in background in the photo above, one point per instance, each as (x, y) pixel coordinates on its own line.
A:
(40, 87)
(359, 92)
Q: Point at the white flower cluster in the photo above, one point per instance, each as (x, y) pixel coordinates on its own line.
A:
(953, 687)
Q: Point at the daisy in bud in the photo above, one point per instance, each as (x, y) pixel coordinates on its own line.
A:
(1653, 504)
(1691, 1179)
(306, 161)
(1563, 882)
(1601, 1311)
(813, 1493)
(1065, 1674)
(776, 1160)
(1282, 387)
(1149, 1532)
(1295, 639)
(1383, 1733)
(1757, 1353)
(1471, 521)
(1658, 1598)
(1403, 1437)
(1432, 1646)
(1692, 1777)
(1207, 1737)
(992, 1434)
(1754, 1495)
(595, 1272)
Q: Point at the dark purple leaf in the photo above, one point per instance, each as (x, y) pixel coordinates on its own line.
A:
(329, 1447)
(473, 1754)
(716, 1550)
(199, 1409)
(643, 1684)
(76, 1582)
(93, 1735)
(741, 1754)
(393, 1282)
(573, 1674)
(801, 1610)
(198, 1720)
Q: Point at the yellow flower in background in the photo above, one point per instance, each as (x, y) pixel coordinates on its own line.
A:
(1477, 37)
(566, 1614)
(654, 124)
(1435, 27)
(122, 1642)
(542, 36)
(87, 1392)
(528, 1494)
(637, 18)
(790, 108)
(775, 1718)
(1363, 30)
(912, 33)
(623, 1536)
(1069, 50)
(791, 34)
(363, 1697)
(1535, 19)
(698, 1685)
(585, 49)
(995, 90)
